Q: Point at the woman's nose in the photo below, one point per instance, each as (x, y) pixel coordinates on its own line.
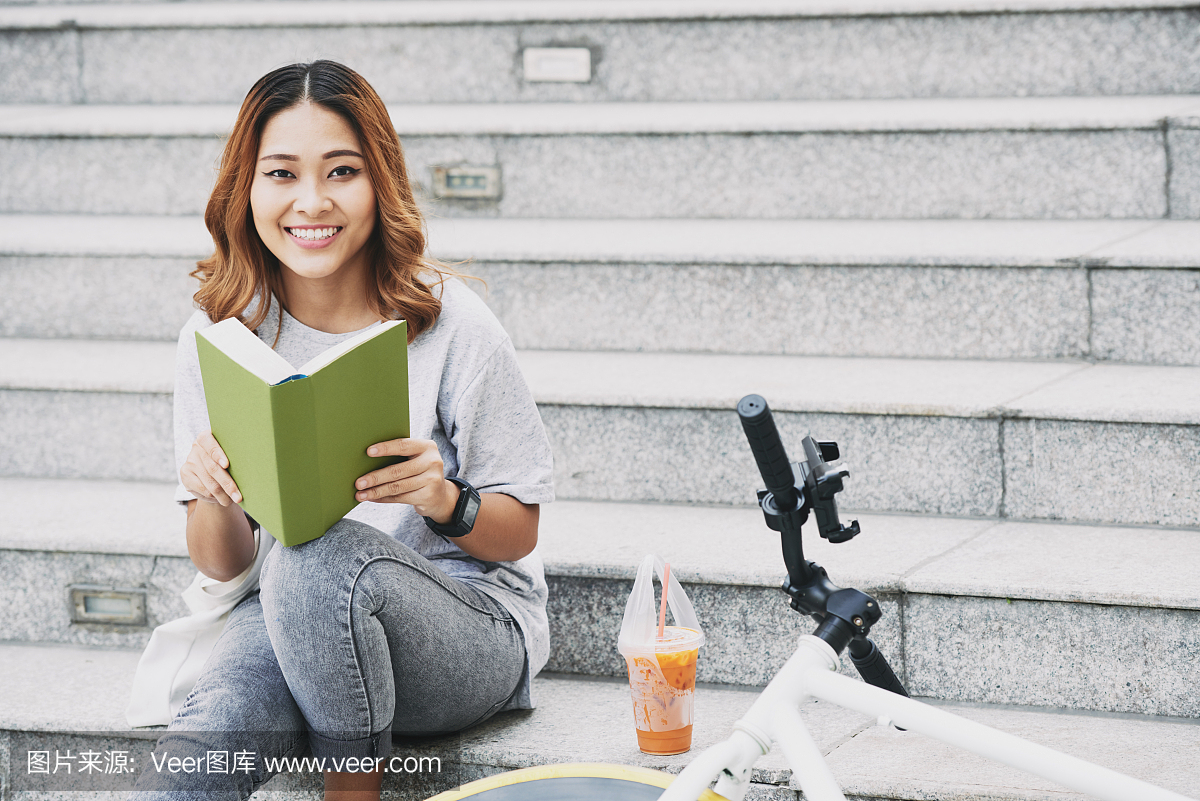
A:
(311, 198)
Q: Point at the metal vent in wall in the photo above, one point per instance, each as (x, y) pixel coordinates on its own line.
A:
(93, 603)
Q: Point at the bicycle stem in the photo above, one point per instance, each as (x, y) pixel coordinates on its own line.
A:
(793, 490)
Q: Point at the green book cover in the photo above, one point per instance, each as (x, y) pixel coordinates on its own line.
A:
(297, 438)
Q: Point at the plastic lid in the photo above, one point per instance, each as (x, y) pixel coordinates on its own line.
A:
(677, 638)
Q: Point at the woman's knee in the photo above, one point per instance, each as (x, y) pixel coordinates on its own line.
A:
(319, 564)
(310, 587)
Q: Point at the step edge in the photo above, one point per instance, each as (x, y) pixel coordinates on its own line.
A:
(303, 15)
(626, 118)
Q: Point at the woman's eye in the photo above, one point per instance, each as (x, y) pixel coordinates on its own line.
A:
(279, 174)
(342, 172)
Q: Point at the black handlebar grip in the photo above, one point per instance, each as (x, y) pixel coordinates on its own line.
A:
(768, 450)
(874, 668)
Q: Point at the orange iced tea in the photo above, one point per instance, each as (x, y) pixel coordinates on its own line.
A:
(663, 689)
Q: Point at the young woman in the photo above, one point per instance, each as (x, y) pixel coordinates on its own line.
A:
(407, 616)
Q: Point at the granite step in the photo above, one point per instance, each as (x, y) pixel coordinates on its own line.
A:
(963, 598)
(871, 762)
(640, 50)
(1016, 158)
(1029, 289)
(1055, 440)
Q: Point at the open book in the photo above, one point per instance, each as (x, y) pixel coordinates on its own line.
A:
(297, 438)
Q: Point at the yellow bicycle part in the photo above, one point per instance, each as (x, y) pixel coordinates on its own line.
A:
(581, 781)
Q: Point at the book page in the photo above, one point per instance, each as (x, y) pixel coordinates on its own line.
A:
(331, 355)
(243, 346)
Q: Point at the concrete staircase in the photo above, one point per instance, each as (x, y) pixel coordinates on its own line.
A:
(960, 237)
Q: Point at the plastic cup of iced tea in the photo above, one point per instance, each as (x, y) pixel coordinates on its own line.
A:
(663, 687)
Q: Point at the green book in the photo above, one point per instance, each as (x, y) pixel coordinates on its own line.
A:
(297, 438)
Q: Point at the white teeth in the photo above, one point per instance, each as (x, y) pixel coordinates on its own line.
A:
(312, 233)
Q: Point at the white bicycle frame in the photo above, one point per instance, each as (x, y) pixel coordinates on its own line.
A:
(810, 673)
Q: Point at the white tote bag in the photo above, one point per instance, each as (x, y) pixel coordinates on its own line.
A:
(177, 651)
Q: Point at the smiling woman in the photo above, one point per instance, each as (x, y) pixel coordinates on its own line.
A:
(315, 209)
(423, 610)
(334, 112)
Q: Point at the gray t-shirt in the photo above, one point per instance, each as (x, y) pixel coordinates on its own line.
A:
(467, 394)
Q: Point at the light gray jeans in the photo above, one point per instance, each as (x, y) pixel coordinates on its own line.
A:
(352, 636)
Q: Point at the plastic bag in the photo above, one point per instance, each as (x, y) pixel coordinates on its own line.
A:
(639, 628)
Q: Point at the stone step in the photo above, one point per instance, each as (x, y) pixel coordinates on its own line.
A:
(1024, 158)
(1041, 289)
(1057, 440)
(85, 714)
(962, 598)
(641, 50)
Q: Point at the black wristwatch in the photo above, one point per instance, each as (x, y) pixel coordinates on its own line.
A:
(463, 519)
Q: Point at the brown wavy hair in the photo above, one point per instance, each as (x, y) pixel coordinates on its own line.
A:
(243, 270)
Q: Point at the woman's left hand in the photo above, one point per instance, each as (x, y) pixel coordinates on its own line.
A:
(420, 481)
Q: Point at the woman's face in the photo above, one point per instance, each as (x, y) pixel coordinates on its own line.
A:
(312, 201)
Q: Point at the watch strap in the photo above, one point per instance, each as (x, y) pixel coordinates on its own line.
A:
(462, 520)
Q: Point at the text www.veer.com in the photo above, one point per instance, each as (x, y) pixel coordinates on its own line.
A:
(352, 765)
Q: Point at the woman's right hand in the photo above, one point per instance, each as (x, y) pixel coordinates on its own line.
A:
(205, 474)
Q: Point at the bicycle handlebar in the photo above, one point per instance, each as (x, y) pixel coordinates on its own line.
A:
(768, 450)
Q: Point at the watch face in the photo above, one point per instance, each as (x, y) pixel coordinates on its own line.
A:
(470, 510)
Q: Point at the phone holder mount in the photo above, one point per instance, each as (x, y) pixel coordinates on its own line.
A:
(794, 489)
(815, 484)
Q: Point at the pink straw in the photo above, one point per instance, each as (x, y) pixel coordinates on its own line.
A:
(662, 607)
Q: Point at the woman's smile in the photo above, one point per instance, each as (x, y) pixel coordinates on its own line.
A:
(311, 236)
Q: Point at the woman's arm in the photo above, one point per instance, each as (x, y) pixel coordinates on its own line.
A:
(505, 529)
(219, 538)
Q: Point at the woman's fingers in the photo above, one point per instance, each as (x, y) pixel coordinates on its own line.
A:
(209, 445)
(214, 489)
(213, 472)
(390, 481)
(420, 457)
(206, 468)
(396, 491)
(419, 481)
(401, 447)
(430, 494)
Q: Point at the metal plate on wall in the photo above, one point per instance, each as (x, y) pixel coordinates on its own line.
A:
(466, 182)
(557, 64)
(91, 603)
